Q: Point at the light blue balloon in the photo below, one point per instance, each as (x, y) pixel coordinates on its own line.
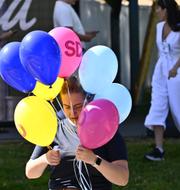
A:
(98, 68)
(120, 96)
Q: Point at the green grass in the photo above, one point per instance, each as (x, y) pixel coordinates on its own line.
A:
(13, 157)
(144, 175)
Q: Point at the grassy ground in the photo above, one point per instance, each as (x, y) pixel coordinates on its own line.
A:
(144, 175)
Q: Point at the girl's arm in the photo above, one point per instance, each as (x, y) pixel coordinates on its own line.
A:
(116, 172)
(36, 167)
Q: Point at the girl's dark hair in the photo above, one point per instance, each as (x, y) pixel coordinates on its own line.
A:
(73, 85)
(173, 13)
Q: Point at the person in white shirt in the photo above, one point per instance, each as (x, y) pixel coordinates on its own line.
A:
(65, 16)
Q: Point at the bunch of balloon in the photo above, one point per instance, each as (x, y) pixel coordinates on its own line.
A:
(41, 56)
(33, 66)
(100, 64)
(36, 58)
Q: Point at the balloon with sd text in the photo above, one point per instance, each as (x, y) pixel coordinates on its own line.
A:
(71, 49)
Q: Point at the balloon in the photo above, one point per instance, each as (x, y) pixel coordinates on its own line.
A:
(48, 92)
(71, 49)
(99, 64)
(36, 120)
(12, 71)
(97, 123)
(40, 55)
(120, 96)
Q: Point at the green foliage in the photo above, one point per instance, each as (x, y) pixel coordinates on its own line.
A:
(144, 175)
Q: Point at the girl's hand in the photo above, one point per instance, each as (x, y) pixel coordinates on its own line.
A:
(85, 155)
(53, 157)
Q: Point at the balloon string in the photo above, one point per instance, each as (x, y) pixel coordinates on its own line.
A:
(55, 111)
(53, 106)
(68, 128)
(70, 131)
(83, 177)
(59, 103)
(82, 181)
(76, 175)
(88, 175)
(85, 101)
(69, 95)
(29, 93)
(49, 147)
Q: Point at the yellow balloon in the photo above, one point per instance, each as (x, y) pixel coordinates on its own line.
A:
(36, 120)
(48, 92)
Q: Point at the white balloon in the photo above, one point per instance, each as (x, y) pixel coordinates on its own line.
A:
(120, 96)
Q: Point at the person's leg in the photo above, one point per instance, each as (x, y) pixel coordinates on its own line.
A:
(155, 120)
(157, 154)
(159, 136)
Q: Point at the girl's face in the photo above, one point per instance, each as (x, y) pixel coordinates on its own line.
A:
(161, 13)
(72, 105)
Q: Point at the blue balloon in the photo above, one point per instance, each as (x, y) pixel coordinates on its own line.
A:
(98, 68)
(120, 96)
(12, 71)
(40, 55)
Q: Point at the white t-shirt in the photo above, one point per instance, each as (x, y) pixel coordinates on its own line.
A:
(64, 15)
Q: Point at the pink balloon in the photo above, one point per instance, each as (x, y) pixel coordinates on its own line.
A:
(71, 50)
(97, 123)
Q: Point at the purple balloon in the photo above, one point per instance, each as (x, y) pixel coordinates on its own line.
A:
(97, 123)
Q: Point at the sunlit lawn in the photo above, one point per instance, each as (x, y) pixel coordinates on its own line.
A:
(144, 175)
